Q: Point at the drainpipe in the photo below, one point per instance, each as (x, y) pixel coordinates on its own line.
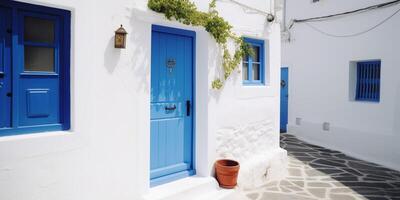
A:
(271, 8)
(284, 16)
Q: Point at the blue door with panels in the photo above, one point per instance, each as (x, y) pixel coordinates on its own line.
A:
(5, 67)
(38, 74)
(34, 68)
(284, 99)
(171, 134)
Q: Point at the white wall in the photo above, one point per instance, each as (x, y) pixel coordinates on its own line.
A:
(320, 82)
(106, 154)
(246, 118)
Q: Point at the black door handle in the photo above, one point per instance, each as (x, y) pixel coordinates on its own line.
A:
(169, 108)
(9, 94)
(187, 108)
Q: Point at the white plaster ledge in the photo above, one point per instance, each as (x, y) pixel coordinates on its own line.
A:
(263, 168)
(196, 188)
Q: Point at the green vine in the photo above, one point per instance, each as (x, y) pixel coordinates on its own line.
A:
(186, 12)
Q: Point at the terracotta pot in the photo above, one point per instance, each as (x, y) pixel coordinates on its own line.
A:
(227, 172)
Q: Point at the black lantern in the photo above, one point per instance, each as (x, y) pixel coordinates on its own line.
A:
(120, 38)
(270, 17)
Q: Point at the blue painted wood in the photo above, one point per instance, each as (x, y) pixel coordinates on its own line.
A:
(41, 82)
(5, 67)
(171, 177)
(368, 81)
(284, 99)
(40, 100)
(171, 131)
(250, 60)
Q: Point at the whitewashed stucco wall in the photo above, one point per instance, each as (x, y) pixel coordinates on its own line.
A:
(106, 153)
(320, 85)
(246, 118)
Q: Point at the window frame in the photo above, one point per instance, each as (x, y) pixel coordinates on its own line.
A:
(62, 63)
(250, 82)
(359, 95)
(56, 43)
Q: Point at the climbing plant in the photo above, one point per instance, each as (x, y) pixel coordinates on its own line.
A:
(186, 12)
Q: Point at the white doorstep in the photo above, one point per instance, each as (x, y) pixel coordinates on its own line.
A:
(193, 188)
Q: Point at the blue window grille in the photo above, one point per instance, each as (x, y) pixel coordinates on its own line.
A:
(253, 66)
(368, 81)
(35, 72)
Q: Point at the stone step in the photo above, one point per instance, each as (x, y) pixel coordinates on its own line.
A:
(195, 188)
(223, 194)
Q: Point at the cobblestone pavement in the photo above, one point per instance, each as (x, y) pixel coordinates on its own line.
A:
(315, 172)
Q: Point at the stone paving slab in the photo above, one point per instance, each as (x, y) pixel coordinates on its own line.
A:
(316, 173)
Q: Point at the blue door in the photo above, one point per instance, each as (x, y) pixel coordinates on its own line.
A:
(171, 129)
(5, 67)
(284, 98)
(38, 72)
(34, 68)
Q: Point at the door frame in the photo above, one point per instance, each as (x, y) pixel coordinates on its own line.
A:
(7, 71)
(287, 109)
(192, 34)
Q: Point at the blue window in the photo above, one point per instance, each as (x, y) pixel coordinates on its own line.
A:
(253, 66)
(34, 68)
(368, 81)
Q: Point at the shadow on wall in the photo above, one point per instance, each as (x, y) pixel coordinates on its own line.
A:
(215, 66)
(215, 60)
(141, 62)
(396, 125)
(111, 56)
(138, 53)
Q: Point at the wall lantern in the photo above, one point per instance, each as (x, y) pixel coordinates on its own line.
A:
(270, 17)
(120, 38)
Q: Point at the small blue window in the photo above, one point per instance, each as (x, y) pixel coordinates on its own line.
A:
(368, 81)
(253, 66)
(35, 67)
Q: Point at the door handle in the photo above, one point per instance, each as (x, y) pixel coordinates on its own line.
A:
(9, 94)
(169, 108)
(187, 108)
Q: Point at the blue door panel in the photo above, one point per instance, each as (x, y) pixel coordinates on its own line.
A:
(167, 153)
(169, 80)
(5, 68)
(171, 133)
(158, 110)
(39, 101)
(170, 169)
(284, 99)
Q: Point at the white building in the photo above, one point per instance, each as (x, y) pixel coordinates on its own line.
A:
(76, 112)
(323, 78)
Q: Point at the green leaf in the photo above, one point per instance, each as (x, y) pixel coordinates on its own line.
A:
(186, 12)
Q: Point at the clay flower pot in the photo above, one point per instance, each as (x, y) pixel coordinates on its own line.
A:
(227, 172)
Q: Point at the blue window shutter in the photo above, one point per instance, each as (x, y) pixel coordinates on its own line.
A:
(368, 81)
(40, 69)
